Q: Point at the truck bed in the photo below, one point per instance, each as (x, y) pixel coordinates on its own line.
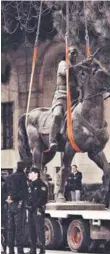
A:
(85, 209)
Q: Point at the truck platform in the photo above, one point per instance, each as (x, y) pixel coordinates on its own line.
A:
(77, 225)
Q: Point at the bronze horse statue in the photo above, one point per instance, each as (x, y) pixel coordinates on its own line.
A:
(88, 126)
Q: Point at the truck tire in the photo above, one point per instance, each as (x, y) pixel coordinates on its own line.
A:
(63, 228)
(53, 234)
(78, 236)
(107, 247)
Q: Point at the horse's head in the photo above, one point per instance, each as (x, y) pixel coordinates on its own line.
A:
(93, 80)
(101, 77)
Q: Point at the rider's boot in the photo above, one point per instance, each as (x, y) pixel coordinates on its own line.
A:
(54, 132)
(53, 146)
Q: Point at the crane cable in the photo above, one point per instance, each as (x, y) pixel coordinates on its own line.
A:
(69, 118)
(35, 53)
(88, 49)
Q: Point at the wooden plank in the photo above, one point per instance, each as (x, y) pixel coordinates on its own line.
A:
(75, 205)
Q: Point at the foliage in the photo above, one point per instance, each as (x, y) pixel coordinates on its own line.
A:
(97, 16)
(19, 23)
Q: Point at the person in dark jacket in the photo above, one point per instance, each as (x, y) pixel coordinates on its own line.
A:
(17, 192)
(3, 198)
(3, 214)
(74, 183)
(47, 180)
(37, 199)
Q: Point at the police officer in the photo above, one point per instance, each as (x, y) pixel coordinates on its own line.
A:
(17, 192)
(37, 199)
(3, 213)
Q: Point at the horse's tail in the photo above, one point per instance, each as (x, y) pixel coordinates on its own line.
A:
(23, 144)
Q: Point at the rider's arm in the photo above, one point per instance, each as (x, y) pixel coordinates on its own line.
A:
(62, 68)
(83, 65)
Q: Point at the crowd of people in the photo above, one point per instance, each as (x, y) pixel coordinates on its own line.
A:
(24, 191)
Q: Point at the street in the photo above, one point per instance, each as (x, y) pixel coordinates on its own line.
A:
(60, 252)
(26, 250)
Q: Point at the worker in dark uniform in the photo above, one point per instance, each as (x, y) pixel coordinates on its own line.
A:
(17, 192)
(47, 180)
(60, 97)
(3, 213)
(74, 183)
(3, 198)
(37, 199)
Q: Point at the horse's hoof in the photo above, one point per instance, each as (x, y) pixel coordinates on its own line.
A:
(60, 198)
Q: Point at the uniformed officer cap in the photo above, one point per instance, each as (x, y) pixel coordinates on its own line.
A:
(35, 170)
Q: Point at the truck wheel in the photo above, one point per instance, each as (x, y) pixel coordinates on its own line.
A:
(53, 234)
(63, 228)
(107, 246)
(78, 236)
(94, 246)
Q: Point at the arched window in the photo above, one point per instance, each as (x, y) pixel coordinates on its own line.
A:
(5, 76)
(7, 125)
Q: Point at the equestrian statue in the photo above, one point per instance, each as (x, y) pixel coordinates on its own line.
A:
(46, 129)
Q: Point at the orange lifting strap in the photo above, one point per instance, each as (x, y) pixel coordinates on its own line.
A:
(31, 80)
(69, 118)
(35, 52)
(88, 49)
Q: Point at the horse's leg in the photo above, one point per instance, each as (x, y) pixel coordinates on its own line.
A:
(102, 163)
(66, 162)
(37, 154)
(35, 143)
(47, 157)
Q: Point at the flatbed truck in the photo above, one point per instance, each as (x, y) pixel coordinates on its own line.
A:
(76, 225)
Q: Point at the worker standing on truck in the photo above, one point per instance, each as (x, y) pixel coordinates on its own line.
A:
(37, 199)
(47, 180)
(56, 182)
(74, 183)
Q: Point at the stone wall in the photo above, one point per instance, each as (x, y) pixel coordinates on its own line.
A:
(17, 88)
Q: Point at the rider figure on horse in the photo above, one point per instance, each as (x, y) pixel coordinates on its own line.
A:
(60, 97)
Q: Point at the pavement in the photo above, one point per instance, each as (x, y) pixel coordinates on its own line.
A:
(26, 250)
(61, 252)
(47, 251)
(51, 251)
